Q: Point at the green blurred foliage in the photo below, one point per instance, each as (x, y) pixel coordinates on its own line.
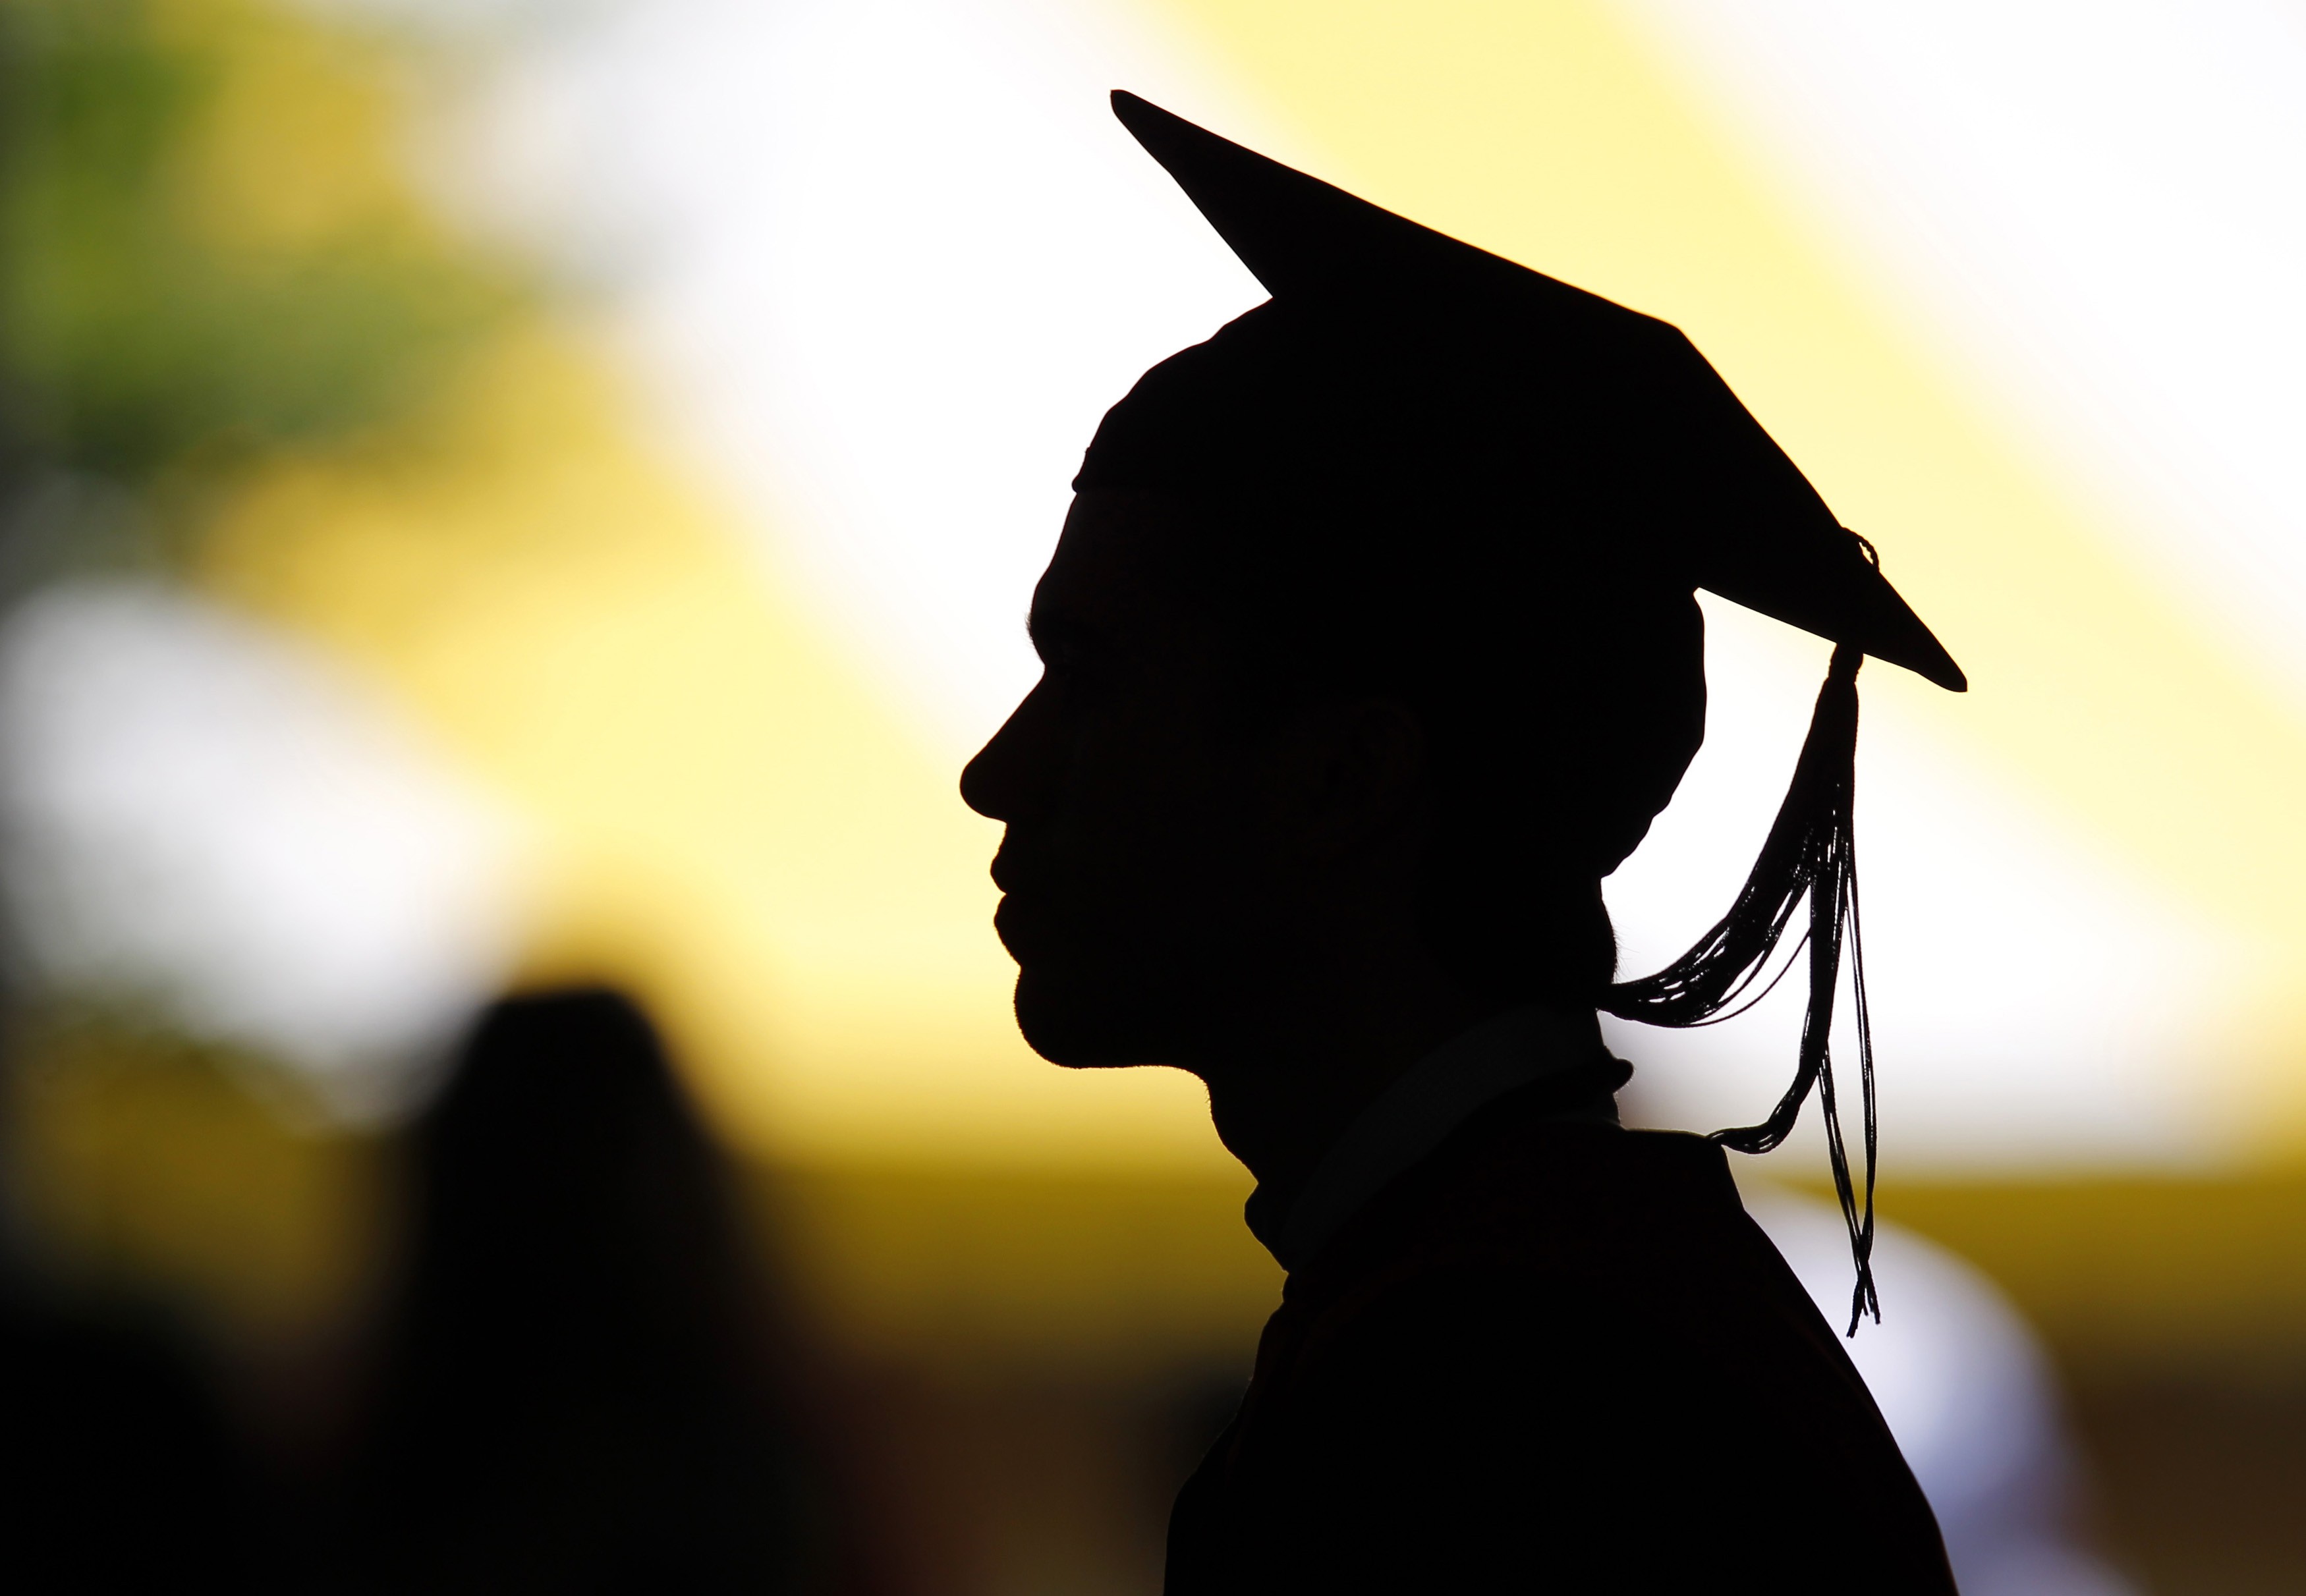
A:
(145, 343)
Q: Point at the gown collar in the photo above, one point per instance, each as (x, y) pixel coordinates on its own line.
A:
(1413, 1115)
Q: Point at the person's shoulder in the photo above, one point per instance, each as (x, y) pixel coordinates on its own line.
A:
(1572, 1229)
(1537, 1192)
(1588, 1163)
(1604, 1290)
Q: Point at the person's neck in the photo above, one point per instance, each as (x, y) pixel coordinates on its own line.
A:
(1285, 1085)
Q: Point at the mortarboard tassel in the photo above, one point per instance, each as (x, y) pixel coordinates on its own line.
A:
(1811, 851)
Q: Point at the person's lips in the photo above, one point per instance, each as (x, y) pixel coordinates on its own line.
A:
(1039, 913)
(1011, 917)
(1004, 865)
(1026, 921)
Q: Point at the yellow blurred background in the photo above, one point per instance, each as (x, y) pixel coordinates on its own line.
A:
(646, 421)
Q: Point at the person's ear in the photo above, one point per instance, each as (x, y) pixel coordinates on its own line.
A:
(1343, 771)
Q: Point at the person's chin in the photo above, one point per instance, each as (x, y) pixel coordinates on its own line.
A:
(1072, 1022)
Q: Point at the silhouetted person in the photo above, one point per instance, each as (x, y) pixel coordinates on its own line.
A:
(576, 1395)
(1370, 646)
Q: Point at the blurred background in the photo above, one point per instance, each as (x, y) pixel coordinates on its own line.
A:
(540, 495)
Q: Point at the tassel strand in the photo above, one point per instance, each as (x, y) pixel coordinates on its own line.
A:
(1810, 853)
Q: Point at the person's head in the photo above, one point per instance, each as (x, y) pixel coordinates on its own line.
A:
(1373, 634)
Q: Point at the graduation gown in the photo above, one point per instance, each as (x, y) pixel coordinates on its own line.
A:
(1553, 1356)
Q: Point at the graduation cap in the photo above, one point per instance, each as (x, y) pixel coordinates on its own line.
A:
(1398, 368)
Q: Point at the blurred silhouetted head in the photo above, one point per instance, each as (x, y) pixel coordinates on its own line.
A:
(575, 1394)
(562, 1170)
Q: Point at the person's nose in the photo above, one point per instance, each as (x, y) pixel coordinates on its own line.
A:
(1001, 782)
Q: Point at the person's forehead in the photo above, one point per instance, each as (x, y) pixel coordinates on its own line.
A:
(1114, 565)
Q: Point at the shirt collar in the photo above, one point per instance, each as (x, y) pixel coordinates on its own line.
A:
(1413, 1115)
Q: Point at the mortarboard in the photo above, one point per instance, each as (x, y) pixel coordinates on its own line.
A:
(1755, 531)
(1395, 366)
